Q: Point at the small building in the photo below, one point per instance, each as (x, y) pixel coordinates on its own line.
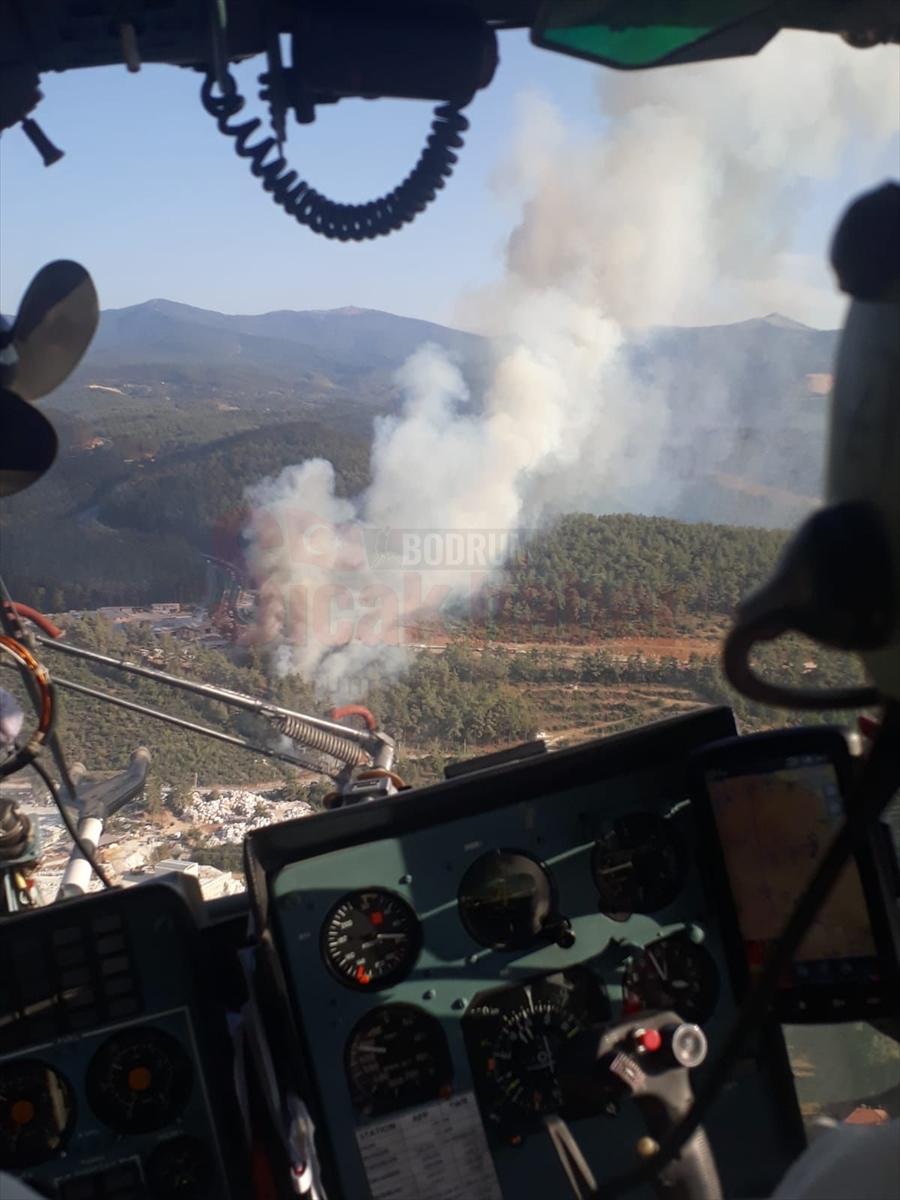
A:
(118, 612)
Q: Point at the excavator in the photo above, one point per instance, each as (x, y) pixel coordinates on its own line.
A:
(554, 972)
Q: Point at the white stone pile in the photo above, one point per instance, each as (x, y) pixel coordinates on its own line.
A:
(237, 813)
(227, 805)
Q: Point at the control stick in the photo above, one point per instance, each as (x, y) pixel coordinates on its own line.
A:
(649, 1057)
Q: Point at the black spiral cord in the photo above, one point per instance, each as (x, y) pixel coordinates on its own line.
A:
(345, 222)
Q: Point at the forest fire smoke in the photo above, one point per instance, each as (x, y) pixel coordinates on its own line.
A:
(681, 208)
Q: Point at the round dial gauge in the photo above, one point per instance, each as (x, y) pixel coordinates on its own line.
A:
(638, 864)
(396, 1057)
(673, 973)
(371, 939)
(520, 1045)
(37, 1108)
(507, 900)
(139, 1080)
(525, 1054)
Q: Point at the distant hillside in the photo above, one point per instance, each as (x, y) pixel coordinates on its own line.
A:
(97, 530)
(747, 401)
(321, 358)
(198, 494)
(342, 343)
(176, 409)
(623, 573)
(749, 435)
(342, 335)
(754, 371)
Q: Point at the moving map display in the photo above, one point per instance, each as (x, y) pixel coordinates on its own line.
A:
(775, 825)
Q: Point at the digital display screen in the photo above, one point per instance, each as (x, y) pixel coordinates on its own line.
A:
(775, 825)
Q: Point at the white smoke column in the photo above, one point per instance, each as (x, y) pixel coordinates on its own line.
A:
(329, 603)
(437, 467)
(680, 209)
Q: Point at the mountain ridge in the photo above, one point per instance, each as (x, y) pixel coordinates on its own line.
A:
(295, 347)
(781, 320)
(741, 398)
(343, 345)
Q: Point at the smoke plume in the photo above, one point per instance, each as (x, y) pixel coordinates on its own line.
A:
(682, 207)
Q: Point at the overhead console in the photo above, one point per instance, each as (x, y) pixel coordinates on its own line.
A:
(431, 957)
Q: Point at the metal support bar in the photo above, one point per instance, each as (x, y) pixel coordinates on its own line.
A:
(224, 695)
(191, 726)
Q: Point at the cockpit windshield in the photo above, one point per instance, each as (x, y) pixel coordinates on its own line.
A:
(500, 480)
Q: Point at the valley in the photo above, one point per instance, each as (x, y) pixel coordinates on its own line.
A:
(175, 410)
(611, 617)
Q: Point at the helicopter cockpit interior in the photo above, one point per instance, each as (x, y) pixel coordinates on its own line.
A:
(553, 972)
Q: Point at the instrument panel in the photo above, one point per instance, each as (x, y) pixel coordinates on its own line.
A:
(441, 949)
(114, 1062)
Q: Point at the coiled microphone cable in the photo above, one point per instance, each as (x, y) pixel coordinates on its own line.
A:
(300, 200)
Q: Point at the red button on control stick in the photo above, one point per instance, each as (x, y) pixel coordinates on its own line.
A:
(650, 1040)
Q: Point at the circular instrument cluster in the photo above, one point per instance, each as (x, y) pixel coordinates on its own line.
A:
(507, 900)
(397, 1056)
(139, 1080)
(638, 863)
(371, 939)
(37, 1111)
(672, 973)
(515, 1037)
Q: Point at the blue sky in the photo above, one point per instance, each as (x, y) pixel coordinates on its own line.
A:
(154, 202)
